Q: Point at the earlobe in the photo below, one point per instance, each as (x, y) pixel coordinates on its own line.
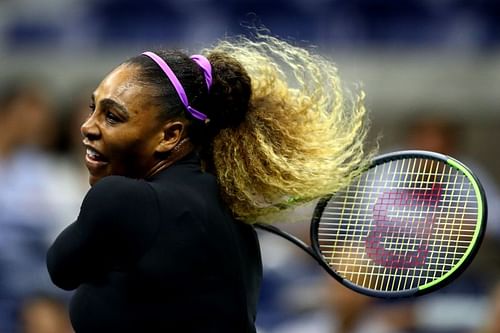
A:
(171, 136)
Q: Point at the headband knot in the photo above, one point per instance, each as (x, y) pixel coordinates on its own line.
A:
(204, 64)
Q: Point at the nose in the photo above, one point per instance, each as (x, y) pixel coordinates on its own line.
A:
(90, 129)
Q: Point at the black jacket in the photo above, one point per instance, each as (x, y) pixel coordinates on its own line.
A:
(158, 255)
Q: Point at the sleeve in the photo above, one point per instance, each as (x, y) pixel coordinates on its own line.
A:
(118, 221)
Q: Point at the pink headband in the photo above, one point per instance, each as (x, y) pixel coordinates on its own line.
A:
(207, 72)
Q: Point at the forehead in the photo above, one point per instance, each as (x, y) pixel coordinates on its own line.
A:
(121, 85)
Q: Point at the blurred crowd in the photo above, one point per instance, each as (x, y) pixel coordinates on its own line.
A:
(42, 184)
(66, 24)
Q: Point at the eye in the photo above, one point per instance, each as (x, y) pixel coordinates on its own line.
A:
(92, 107)
(112, 118)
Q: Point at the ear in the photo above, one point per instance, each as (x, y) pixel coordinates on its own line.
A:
(173, 133)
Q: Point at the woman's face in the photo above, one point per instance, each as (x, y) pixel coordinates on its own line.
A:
(122, 131)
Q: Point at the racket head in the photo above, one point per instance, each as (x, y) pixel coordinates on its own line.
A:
(408, 225)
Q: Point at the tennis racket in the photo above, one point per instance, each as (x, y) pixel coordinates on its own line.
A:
(408, 225)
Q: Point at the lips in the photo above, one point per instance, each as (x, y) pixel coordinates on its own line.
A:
(93, 158)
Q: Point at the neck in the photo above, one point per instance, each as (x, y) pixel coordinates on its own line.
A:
(181, 150)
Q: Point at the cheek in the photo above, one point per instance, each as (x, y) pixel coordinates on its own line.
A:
(131, 157)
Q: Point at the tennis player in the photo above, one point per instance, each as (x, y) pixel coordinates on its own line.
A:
(184, 153)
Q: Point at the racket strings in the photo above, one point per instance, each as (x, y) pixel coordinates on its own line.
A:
(403, 224)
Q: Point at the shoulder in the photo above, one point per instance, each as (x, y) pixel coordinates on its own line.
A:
(116, 194)
(119, 184)
(117, 188)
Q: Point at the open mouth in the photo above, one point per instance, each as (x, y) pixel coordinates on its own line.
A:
(94, 158)
(94, 155)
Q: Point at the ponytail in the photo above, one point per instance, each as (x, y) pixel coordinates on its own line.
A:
(285, 130)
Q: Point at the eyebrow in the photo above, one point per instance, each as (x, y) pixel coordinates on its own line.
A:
(110, 103)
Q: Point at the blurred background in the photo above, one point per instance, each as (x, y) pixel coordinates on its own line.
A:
(431, 70)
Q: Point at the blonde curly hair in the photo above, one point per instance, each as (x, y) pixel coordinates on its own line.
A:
(303, 134)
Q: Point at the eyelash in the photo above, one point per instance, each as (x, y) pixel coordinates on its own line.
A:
(111, 118)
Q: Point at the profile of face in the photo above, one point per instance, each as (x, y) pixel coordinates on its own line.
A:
(123, 134)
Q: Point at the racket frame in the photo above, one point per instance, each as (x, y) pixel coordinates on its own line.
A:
(448, 277)
(315, 252)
